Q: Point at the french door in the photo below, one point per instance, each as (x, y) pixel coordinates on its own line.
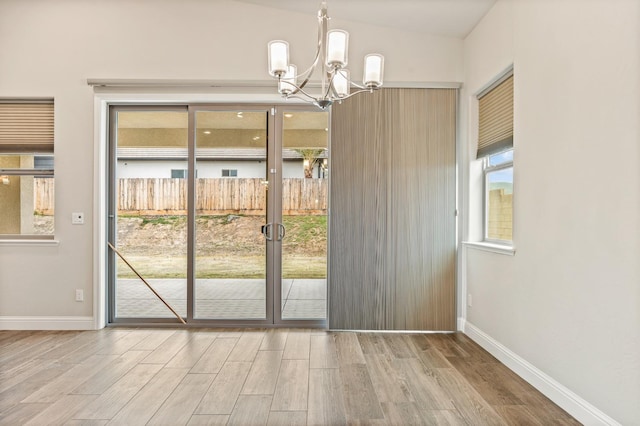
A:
(218, 215)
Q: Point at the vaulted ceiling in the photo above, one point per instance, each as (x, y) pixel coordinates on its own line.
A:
(452, 18)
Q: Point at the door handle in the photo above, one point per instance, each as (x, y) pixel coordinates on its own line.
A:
(282, 231)
(267, 231)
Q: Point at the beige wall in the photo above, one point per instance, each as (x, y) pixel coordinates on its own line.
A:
(49, 49)
(567, 303)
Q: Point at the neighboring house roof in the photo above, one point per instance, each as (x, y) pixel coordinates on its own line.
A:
(125, 153)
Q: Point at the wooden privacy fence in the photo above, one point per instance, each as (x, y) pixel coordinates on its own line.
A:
(43, 196)
(147, 196)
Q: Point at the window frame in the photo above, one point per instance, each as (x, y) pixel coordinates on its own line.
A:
(183, 172)
(486, 170)
(28, 129)
(34, 173)
(230, 173)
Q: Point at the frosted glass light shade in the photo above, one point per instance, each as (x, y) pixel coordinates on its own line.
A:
(341, 83)
(337, 48)
(286, 85)
(373, 70)
(278, 57)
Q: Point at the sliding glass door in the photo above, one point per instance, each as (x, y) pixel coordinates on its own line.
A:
(218, 215)
(148, 212)
(304, 214)
(231, 197)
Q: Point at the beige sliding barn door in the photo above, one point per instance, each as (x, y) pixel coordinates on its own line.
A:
(393, 199)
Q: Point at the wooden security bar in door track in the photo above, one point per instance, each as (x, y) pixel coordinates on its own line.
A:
(147, 284)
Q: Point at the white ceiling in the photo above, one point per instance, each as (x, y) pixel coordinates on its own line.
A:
(453, 18)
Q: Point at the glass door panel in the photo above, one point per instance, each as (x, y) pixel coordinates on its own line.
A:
(230, 210)
(305, 173)
(150, 217)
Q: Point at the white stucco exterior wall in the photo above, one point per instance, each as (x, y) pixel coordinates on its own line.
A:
(207, 169)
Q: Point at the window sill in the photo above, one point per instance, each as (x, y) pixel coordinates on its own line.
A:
(29, 242)
(491, 247)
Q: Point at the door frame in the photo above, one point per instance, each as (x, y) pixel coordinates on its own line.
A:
(275, 130)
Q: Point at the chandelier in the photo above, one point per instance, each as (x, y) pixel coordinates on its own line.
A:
(331, 58)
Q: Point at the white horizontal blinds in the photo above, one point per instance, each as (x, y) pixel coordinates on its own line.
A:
(496, 119)
(26, 126)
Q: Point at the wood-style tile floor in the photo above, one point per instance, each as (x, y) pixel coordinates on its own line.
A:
(245, 377)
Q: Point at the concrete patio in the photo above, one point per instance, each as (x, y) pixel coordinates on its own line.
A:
(220, 298)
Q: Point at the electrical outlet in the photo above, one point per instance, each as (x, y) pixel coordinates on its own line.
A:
(79, 295)
(469, 300)
(77, 218)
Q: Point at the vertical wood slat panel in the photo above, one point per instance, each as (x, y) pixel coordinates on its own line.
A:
(392, 236)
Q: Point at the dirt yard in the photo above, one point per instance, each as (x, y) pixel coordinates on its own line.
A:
(229, 246)
(218, 235)
(226, 246)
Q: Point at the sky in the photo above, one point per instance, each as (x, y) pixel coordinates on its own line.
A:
(504, 175)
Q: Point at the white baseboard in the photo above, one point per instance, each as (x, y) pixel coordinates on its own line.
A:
(47, 323)
(580, 409)
(461, 323)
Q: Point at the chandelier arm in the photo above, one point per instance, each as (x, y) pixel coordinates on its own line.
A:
(308, 97)
(370, 90)
(359, 86)
(334, 93)
(330, 88)
(299, 89)
(305, 99)
(322, 29)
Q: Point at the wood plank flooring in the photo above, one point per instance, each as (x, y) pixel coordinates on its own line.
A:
(120, 376)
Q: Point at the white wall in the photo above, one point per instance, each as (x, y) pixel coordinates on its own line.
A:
(295, 169)
(49, 49)
(205, 169)
(568, 302)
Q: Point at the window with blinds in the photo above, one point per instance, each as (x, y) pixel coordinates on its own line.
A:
(495, 106)
(26, 168)
(495, 148)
